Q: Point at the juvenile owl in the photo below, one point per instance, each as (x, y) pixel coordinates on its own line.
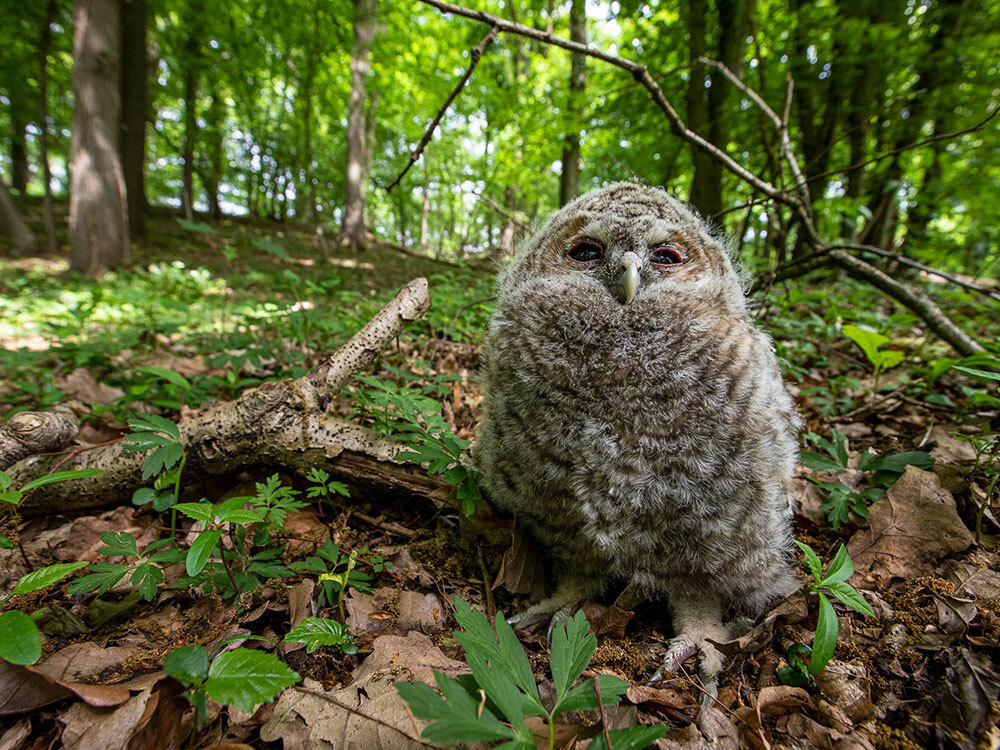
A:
(635, 419)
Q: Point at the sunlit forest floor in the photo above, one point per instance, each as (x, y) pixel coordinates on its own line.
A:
(901, 468)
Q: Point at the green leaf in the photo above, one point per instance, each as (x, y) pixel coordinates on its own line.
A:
(840, 569)
(245, 678)
(101, 578)
(20, 642)
(155, 423)
(899, 461)
(118, 544)
(840, 448)
(573, 646)
(204, 512)
(456, 717)
(162, 458)
(812, 559)
(169, 375)
(46, 576)
(200, 550)
(61, 476)
(819, 462)
(146, 579)
(868, 340)
(850, 597)
(198, 227)
(629, 738)
(5, 480)
(825, 641)
(319, 631)
(977, 373)
(583, 697)
(187, 664)
(273, 248)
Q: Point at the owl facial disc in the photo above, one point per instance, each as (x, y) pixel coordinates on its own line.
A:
(628, 278)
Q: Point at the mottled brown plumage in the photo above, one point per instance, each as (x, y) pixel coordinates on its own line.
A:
(635, 419)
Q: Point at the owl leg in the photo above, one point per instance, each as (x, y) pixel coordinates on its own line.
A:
(570, 591)
(696, 620)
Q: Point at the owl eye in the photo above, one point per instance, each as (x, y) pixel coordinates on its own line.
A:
(666, 256)
(586, 252)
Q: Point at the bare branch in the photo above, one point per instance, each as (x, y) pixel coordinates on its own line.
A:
(917, 264)
(921, 304)
(475, 53)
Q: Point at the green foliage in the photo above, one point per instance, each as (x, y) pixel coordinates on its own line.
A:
(20, 642)
(338, 572)
(885, 470)
(834, 582)
(871, 343)
(501, 693)
(13, 497)
(242, 678)
(147, 570)
(319, 631)
(159, 435)
(323, 487)
(415, 419)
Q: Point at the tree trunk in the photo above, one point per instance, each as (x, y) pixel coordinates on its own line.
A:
(22, 240)
(190, 126)
(18, 151)
(98, 211)
(44, 44)
(425, 210)
(309, 189)
(697, 106)
(569, 183)
(353, 229)
(211, 176)
(133, 120)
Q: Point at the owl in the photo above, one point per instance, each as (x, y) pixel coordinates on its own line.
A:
(635, 419)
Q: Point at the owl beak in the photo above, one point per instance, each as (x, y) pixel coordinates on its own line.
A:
(628, 279)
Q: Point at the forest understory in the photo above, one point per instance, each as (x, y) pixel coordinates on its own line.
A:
(920, 672)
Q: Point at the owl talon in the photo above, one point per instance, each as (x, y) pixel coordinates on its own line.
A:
(526, 619)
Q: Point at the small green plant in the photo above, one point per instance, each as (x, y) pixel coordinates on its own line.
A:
(871, 344)
(274, 500)
(161, 436)
(320, 631)
(20, 642)
(987, 448)
(147, 571)
(323, 487)
(338, 572)
(841, 500)
(13, 497)
(493, 702)
(415, 420)
(834, 582)
(243, 678)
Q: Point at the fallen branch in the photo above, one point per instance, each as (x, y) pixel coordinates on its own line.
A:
(29, 433)
(282, 424)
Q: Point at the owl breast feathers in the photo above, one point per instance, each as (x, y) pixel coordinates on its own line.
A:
(635, 419)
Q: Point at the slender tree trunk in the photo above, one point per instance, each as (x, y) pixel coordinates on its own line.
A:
(710, 105)
(98, 211)
(44, 44)
(190, 126)
(569, 183)
(426, 209)
(134, 109)
(308, 190)
(22, 241)
(211, 176)
(18, 151)
(353, 229)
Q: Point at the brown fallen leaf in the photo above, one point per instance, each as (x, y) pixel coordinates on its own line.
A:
(521, 569)
(911, 529)
(79, 666)
(89, 728)
(22, 691)
(368, 712)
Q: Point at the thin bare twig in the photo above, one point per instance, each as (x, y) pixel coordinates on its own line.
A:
(475, 53)
(509, 216)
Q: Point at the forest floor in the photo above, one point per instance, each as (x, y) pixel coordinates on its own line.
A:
(899, 471)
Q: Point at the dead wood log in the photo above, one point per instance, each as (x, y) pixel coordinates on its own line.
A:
(280, 424)
(28, 433)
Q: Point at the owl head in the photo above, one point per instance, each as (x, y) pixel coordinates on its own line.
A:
(627, 246)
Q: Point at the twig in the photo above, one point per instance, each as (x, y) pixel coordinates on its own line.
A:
(475, 54)
(491, 605)
(392, 528)
(600, 708)
(904, 260)
(909, 147)
(492, 204)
